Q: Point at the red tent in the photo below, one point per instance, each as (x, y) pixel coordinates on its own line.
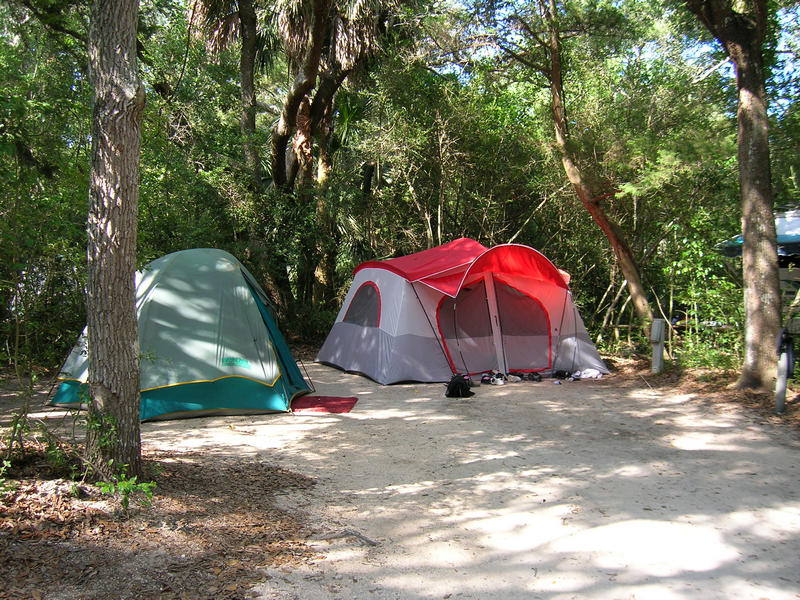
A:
(459, 307)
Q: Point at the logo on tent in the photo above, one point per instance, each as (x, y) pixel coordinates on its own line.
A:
(234, 361)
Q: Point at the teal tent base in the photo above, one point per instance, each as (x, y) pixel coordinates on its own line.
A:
(231, 395)
(71, 394)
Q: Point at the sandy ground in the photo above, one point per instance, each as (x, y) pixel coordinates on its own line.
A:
(607, 490)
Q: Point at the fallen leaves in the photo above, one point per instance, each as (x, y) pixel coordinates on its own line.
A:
(212, 523)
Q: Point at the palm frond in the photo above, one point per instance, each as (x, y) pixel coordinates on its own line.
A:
(218, 22)
(268, 40)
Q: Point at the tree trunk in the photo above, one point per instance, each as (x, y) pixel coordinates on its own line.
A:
(304, 82)
(328, 242)
(590, 200)
(742, 36)
(303, 145)
(247, 122)
(322, 112)
(113, 441)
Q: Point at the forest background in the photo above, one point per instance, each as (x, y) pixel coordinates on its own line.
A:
(428, 121)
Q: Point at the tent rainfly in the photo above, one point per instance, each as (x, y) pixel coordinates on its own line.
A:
(459, 308)
(208, 342)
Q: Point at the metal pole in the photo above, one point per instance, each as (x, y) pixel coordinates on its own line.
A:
(657, 341)
(785, 368)
(780, 384)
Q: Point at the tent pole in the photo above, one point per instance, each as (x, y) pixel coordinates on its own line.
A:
(433, 330)
(494, 321)
(560, 330)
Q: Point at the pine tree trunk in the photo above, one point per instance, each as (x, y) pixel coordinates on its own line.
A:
(742, 35)
(762, 299)
(113, 441)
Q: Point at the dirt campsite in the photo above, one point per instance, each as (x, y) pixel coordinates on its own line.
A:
(630, 486)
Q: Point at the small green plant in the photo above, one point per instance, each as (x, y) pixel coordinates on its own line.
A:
(20, 427)
(6, 486)
(125, 487)
(61, 457)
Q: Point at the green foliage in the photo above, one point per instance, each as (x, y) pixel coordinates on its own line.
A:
(128, 487)
(29, 441)
(6, 486)
(19, 428)
(43, 123)
(103, 426)
(432, 140)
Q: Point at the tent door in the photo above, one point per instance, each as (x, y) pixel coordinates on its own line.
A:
(492, 325)
(464, 324)
(525, 328)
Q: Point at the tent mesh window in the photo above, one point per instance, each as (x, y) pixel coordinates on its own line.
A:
(365, 308)
(466, 329)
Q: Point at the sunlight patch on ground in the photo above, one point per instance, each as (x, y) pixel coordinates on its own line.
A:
(631, 471)
(483, 456)
(448, 583)
(410, 488)
(655, 548)
(517, 529)
(707, 440)
(775, 524)
(365, 414)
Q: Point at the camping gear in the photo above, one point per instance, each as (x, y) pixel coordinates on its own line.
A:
(459, 308)
(458, 387)
(208, 342)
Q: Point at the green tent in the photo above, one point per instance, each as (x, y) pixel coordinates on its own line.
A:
(207, 339)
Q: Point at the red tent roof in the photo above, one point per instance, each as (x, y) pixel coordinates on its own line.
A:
(449, 267)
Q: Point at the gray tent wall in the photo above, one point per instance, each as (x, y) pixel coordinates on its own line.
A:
(575, 349)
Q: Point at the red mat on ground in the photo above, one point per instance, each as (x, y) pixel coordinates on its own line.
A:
(323, 404)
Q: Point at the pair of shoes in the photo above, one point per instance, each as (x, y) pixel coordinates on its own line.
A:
(514, 378)
(497, 378)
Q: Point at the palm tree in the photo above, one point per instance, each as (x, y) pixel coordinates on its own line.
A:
(325, 42)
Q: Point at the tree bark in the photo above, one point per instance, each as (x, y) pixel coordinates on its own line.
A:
(321, 115)
(742, 35)
(113, 440)
(247, 122)
(590, 200)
